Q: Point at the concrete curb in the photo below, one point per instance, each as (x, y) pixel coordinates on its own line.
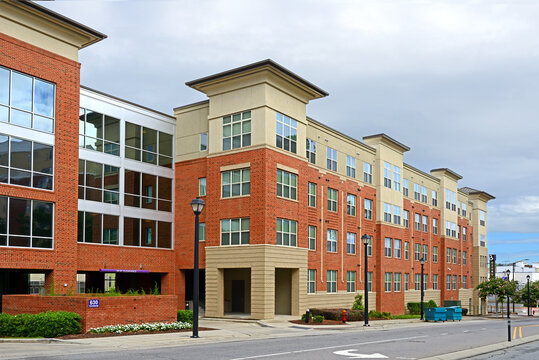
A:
(466, 354)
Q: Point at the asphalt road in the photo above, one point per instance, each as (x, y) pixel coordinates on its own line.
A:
(399, 343)
(523, 352)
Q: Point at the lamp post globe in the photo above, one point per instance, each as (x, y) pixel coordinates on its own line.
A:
(197, 205)
(365, 238)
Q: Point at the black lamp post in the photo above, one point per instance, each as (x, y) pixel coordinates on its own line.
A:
(528, 278)
(508, 272)
(422, 262)
(197, 205)
(365, 238)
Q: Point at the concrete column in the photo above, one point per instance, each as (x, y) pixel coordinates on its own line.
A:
(263, 291)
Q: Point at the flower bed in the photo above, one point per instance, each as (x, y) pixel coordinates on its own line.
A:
(160, 326)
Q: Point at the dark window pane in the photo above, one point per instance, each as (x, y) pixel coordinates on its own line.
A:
(4, 147)
(165, 235)
(22, 241)
(44, 98)
(80, 227)
(149, 157)
(3, 240)
(94, 144)
(132, 135)
(94, 124)
(3, 175)
(165, 144)
(165, 188)
(132, 182)
(148, 191)
(94, 174)
(165, 205)
(110, 230)
(21, 154)
(132, 200)
(43, 181)
(21, 91)
(19, 177)
(81, 172)
(4, 86)
(131, 232)
(112, 129)
(131, 153)
(42, 243)
(3, 214)
(92, 228)
(19, 216)
(149, 140)
(111, 148)
(81, 192)
(43, 157)
(165, 161)
(148, 233)
(111, 178)
(81, 121)
(42, 219)
(21, 118)
(94, 194)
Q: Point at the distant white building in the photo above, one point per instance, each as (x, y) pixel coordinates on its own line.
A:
(519, 272)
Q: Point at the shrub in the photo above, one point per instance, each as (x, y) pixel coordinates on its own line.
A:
(431, 304)
(355, 315)
(386, 315)
(141, 327)
(318, 318)
(373, 314)
(310, 316)
(185, 316)
(464, 311)
(414, 308)
(358, 303)
(49, 324)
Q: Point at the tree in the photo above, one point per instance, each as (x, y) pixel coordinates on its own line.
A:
(522, 295)
(499, 287)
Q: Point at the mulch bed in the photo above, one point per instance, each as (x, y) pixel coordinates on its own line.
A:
(143, 332)
(325, 322)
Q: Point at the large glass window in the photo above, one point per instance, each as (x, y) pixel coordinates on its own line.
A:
(287, 232)
(331, 281)
(26, 163)
(237, 130)
(148, 145)
(351, 281)
(147, 191)
(26, 223)
(98, 182)
(286, 133)
(235, 231)
(235, 183)
(351, 205)
(350, 243)
(287, 184)
(397, 248)
(332, 240)
(387, 174)
(311, 151)
(368, 209)
(27, 101)
(396, 178)
(331, 159)
(99, 132)
(332, 199)
(204, 141)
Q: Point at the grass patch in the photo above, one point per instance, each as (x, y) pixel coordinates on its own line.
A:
(405, 316)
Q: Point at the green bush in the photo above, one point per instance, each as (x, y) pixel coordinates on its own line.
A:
(355, 315)
(185, 316)
(373, 314)
(431, 304)
(318, 318)
(310, 316)
(49, 324)
(405, 316)
(414, 308)
(358, 303)
(386, 315)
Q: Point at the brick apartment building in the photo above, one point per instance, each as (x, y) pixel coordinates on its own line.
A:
(287, 197)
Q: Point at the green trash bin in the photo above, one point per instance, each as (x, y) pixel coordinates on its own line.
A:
(435, 314)
(454, 313)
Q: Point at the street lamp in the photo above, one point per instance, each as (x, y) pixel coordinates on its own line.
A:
(197, 205)
(365, 238)
(422, 262)
(508, 272)
(528, 278)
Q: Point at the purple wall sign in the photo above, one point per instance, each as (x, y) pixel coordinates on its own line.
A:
(93, 303)
(123, 271)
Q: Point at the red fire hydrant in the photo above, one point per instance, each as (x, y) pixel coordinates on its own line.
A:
(344, 316)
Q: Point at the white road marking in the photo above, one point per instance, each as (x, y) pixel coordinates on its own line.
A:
(331, 347)
(444, 333)
(352, 355)
(405, 358)
(466, 331)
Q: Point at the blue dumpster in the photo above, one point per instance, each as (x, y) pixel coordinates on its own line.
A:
(454, 313)
(435, 314)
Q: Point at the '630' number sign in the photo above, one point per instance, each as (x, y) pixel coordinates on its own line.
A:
(93, 303)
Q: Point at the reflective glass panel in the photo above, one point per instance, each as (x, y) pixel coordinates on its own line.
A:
(92, 228)
(43, 123)
(3, 214)
(132, 136)
(165, 144)
(19, 220)
(44, 98)
(4, 86)
(94, 124)
(42, 219)
(131, 231)
(21, 153)
(164, 238)
(21, 91)
(21, 118)
(112, 129)
(4, 147)
(43, 157)
(149, 140)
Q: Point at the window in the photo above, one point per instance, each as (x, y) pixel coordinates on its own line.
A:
(351, 205)
(424, 194)
(202, 232)
(464, 209)
(26, 101)
(426, 252)
(387, 247)
(454, 282)
(397, 248)
(417, 222)
(434, 226)
(425, 223)
(406, 281)
(417, 284)
(368, 209)
(99, 132)
(26, 163)
(367, 173)
(350, 281)
(464, 256)
(396, 178)
(448, 256)
(287, 133)
(332, 240)
(434, 282)
(101, 229)
(312, 194)
(417, 192)
(450, 200)
(464, 233)
(454, 256)
(482, 240)
(202, 187)
(237, 130)
(350, 243)
(145, 190)
(387, 174)
(311, 151)
(458, 207)
(458, 232)
(406, 250)
(98, 182)
(26, 223)
(481, 218)
(332, 199)
(396, 215)
(435, 254)
(387, 281)
(331, 281)
(417, 251)
(235, 231)
(331, 159)
(387, 212)
(459, 256)
(369, 247)
(434, 198)
(447, 228)
(453, 230)
(312, 237)
(369, 281)
(405, 216)
(464, 282)
(235, 183)
(405, 187)
(286, 232)
(311, 281)
(204, 141)
(448, 282)
(148, 145)
(350, 166)
(425, 281)
(287, 184)
(397, 282)
(141, 232)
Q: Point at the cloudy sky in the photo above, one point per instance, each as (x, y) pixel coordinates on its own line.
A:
(457, 80)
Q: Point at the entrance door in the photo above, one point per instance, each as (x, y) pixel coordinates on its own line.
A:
(238, 296)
